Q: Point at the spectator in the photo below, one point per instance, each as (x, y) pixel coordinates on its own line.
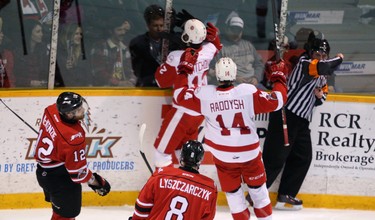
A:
(35, 58)
(7, 79)
(231, 134)
(179, 124)
(71, 61)
(308, 88)
(160, 199)
(111, 58)
(61, 156)
(146, 48)
(242, 52)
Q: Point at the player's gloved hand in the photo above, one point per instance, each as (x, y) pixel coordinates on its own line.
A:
(273, 66)
(103, 188)
(278, 76)
(213, 35)
(181, 17)
(212, 32)
(187, 61)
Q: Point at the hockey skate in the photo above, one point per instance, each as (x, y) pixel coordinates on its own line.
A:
(286, 202)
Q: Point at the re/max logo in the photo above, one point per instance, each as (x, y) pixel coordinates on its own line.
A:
(348, 66)
(304, 15)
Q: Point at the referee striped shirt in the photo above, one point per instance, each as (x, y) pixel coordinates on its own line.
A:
(303, 81)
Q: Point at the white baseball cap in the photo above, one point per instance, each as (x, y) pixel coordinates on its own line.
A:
(236, 21)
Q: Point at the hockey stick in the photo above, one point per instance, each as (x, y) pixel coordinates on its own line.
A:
(276, 31)
(167, 29)
(54, 38)
(140, 136)
(281, 32)
(79, 21)
(279, 36)
(282, 25)
(19, 117)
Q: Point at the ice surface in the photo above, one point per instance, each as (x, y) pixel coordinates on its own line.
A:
(123, 212)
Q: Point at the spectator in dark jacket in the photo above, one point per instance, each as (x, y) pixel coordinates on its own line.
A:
(111, 58)
(146, 48)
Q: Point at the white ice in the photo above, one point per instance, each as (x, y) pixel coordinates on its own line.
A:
(123, 212)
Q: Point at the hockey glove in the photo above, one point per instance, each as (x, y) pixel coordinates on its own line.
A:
(278, 76)
(187, 61)
(182, 17)
(213, 35)
(273, 66)
(103, 188)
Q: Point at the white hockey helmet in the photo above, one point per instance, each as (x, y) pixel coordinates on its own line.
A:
(194, 32)
(226, 69)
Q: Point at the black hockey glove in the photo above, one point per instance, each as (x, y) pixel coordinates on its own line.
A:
(182, 17)
(103, 188)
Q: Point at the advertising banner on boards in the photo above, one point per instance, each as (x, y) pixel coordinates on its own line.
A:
(342, 135)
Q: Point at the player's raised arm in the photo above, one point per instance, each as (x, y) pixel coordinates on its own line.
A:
(276, 99)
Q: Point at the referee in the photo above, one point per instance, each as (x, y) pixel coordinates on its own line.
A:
(307, 88)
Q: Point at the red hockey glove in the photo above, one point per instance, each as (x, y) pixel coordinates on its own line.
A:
(273, 66)
(213, 35)
(103, 188)
(278, 76)
(187, 61)
(212, 32)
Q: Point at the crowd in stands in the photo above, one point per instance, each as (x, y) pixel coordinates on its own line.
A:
(121, 47)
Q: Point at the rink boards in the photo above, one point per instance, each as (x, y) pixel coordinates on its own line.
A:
(341, 174)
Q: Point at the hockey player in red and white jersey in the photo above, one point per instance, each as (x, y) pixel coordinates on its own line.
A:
(179, 193)
(61, 156)
(230, 133)
(181, 124)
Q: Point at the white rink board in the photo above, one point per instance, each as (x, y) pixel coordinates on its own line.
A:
(113, 144)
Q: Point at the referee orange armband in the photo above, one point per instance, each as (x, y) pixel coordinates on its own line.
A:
(313, 68)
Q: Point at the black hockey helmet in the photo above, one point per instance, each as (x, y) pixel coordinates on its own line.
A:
(192, 153)
(68, 101)
(153, 12)
(320, 45)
